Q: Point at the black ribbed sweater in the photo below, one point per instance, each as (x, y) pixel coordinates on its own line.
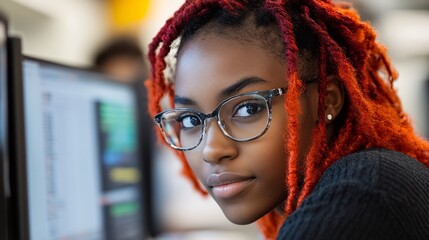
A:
(373, 194)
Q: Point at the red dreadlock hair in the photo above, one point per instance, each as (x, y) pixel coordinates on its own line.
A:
(346, 47)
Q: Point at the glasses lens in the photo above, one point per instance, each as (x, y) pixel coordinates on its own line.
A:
(182, 128)
(242, 118)
(245, 117)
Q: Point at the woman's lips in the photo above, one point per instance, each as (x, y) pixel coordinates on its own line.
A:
(227, 185)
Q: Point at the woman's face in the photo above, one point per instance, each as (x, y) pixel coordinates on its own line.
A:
(250, 175)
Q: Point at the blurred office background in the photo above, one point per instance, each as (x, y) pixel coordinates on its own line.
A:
(71, 31)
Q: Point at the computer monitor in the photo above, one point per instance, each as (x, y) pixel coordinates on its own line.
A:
(84, 172)
(4, 179)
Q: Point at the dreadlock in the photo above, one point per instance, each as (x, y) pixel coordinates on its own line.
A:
(342, 45)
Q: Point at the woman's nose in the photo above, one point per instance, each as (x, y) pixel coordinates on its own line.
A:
(216, 145)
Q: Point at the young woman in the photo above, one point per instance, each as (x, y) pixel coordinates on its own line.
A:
(285, 113)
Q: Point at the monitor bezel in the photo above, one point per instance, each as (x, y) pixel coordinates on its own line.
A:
(4, 156)
(17, 168)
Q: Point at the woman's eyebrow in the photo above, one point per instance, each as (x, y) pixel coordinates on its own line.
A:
(227, 92)
(242, 83)
(183, 100)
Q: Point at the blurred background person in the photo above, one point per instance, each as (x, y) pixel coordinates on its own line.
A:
(122, 58)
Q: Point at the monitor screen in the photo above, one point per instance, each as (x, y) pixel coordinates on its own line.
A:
(83, 166)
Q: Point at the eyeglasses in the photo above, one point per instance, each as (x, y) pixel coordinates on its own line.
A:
(242, 118)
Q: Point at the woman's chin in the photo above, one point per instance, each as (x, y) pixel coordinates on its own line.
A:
(241, 218)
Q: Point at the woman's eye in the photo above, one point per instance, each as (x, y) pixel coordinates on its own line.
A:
(247, 110)
(189, 121)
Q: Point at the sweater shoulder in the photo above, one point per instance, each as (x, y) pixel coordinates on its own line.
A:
(378, 168)
(372, 194)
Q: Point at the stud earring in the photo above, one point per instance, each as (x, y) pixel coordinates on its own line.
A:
(329, 117)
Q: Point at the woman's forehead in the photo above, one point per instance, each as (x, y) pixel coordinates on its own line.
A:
(212, 63)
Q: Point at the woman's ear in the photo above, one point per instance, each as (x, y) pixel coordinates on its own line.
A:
(334, 100)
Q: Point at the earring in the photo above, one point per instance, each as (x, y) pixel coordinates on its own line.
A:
(329, 117)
